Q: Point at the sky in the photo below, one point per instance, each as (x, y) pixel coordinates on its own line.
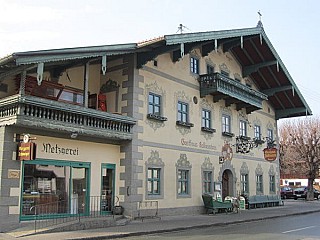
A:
(291, 26)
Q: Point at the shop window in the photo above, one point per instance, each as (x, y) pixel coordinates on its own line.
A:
(52, 187)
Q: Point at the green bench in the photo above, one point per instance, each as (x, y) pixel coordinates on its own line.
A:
(212, 206)
(263, 201)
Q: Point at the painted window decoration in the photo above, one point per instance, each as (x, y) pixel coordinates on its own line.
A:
(207, 181)
(259, 183)
(243, 128)
(183, 182)
(257, 132)
(244, 181)
(54, 187)
(154, 181)
(272, 184)
(194, 65)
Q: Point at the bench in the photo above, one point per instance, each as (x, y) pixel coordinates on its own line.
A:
(263, 201)
(212, 206)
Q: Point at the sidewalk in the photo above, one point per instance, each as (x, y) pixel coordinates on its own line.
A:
(173, 223)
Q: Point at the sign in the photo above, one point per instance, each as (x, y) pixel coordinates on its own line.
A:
(12, 173)
(26, 151)
(270, 154)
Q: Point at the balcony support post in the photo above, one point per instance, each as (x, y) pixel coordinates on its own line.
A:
(85, 84)
(23, 82)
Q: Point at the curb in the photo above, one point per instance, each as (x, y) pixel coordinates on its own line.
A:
(133, 234)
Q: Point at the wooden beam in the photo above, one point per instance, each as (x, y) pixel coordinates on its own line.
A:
(254, 68)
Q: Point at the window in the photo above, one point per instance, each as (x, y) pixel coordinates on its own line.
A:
(259, 182)
(183, 112)
(206, 118)
(194, 65)
(226, 121)
(154, 181)
(154, 106)
(244, 181)
(210, 69)
(207, 181)
(270, 134)
(272, 184)
(243, 128)
(183, 182)
(257, 132)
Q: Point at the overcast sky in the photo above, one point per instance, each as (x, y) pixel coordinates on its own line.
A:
(291, 26)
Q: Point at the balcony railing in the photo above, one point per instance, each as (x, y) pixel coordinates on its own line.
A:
(222, 87)
(38, 113)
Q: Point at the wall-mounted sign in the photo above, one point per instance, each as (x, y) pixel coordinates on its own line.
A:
(12, 173)
(270, 154)
(26, 151)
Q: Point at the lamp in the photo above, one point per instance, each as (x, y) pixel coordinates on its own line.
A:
(74, 135)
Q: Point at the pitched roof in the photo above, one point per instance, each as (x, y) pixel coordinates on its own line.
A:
(250, 46)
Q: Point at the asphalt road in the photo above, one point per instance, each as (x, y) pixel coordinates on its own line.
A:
(300, 227)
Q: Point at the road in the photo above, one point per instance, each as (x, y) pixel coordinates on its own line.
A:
(300, 227)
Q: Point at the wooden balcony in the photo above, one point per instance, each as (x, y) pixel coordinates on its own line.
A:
(232, 91)
(49, 115)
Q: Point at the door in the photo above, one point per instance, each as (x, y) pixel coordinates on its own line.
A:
(227, 188)
(79, 196)
(107, 187)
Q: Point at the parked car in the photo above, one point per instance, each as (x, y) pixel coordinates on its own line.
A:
(286, 192)
(301, 192)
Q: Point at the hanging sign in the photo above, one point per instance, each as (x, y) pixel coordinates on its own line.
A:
(270, 154)
(26, 149)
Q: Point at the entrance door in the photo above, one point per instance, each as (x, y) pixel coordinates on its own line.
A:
(79, 198)
(107, 187)
(227, 187)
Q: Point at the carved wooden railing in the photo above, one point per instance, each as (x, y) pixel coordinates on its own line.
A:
(218, 84)
(37, 112)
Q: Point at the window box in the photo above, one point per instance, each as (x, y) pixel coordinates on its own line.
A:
(245, 138)
(228, 134)
(156, 117)
(259, 141)
(210, 130)
(184, 124)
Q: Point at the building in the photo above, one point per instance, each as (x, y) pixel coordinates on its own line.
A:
(164, 120)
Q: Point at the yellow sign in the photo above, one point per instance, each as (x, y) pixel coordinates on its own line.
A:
(26, 151)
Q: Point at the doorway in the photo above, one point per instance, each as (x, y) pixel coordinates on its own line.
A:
(107, 187)
(227, 183)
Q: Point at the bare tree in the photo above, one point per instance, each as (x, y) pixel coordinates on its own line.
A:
(299, 142)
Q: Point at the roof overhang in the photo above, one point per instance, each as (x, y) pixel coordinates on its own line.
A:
(250, 46)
